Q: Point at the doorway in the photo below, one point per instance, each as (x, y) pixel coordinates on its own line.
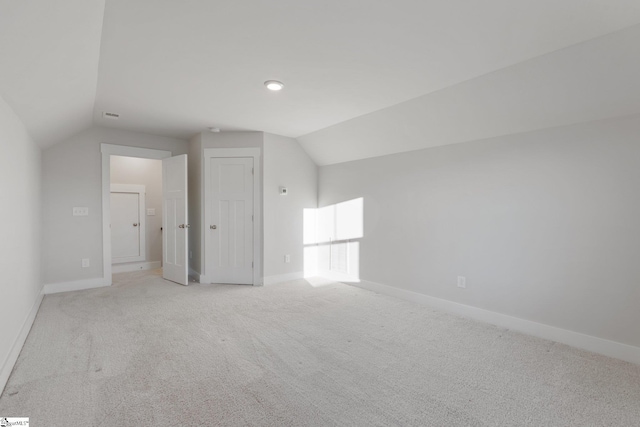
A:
(161, 202)
(136, 214)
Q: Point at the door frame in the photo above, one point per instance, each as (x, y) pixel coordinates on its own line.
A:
(255, 153)
(108, 150)
(140, 190)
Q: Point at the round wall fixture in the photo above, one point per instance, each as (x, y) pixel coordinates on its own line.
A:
(274, 85)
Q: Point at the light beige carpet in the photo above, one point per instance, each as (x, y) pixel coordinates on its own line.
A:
(146, 352)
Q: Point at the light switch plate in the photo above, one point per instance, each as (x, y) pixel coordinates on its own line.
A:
(151, 212)
(462, 282)
(80, 211)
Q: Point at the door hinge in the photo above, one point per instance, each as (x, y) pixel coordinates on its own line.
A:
(251, 264)
(251, 171)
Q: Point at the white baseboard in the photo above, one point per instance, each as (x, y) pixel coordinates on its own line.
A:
(78, 285)
(202, 278)
(602, 346)
(135, 266)
(337, 276)
(16, 347)
(279, 278)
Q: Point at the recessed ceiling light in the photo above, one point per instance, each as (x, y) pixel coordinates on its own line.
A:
(274, 85)
(214, 130)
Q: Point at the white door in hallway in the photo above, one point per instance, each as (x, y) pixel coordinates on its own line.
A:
(127, 223)
(228, 223)
(175, 219)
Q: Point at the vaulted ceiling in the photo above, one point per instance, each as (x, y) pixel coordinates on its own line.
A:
(362, 78)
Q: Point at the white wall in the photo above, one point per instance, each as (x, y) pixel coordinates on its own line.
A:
(231, 139)
(72, 177)
(544, 225)
(286, 164)
(20, 216)
(147, 172)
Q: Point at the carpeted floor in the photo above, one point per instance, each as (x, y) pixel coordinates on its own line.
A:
(146, 352)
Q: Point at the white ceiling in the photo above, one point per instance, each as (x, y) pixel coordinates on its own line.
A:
(49, 52)
(175, 68)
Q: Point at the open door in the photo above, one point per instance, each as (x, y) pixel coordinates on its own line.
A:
(174, 220)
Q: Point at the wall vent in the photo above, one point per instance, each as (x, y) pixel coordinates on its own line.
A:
(112, 116)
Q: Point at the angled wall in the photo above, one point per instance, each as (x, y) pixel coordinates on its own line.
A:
(20, 216)
(543, 225)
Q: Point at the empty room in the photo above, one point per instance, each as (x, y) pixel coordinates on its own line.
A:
(305, 213)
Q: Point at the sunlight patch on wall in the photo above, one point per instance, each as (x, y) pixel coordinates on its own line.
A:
(329, 233)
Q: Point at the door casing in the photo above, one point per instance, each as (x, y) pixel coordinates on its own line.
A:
(108, 150)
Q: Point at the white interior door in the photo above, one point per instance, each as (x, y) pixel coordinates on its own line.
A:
(127, 223)
(229, 220)
(125, 226)
(174, 219)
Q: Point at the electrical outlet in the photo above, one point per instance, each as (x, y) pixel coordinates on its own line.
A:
(85, 262)
(80, 211)
(462, 282)
(287, 258)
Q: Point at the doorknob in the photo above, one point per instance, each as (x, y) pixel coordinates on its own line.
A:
(135, 225)
(213, 227)
(181, 226)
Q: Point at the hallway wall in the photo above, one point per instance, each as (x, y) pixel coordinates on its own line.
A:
(72, 177)
(20, 278)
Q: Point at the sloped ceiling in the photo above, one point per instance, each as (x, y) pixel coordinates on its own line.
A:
(589, 81)
(175, 68)
(49, 52)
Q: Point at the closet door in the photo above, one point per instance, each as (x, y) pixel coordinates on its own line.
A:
(127, 223)
(229, 216)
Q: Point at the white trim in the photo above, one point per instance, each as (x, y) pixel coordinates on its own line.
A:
(128, 188)
(575, 339)
(129, 151)
(280, 278)
(107, 151)
(136, 266)
(203, 279)
(256, 153)
(141, 191)
(76, 285)
(16, 347)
